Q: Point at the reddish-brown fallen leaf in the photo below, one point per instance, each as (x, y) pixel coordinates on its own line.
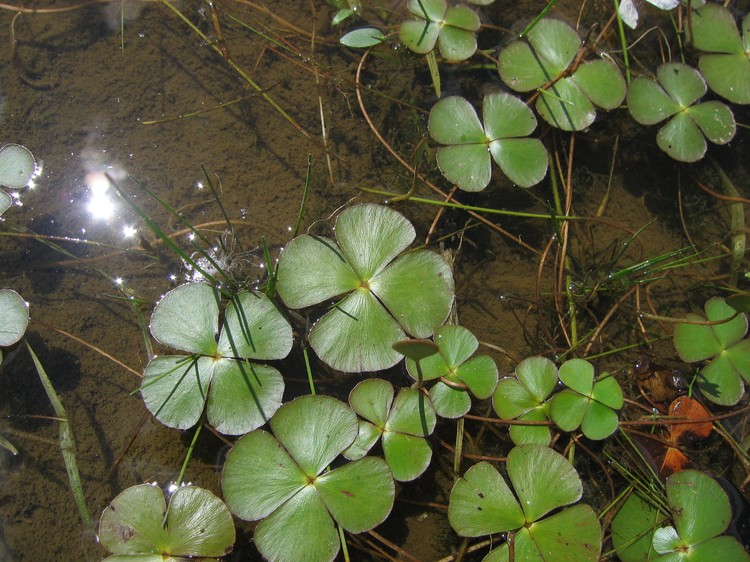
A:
(682, 433)
(674, 461)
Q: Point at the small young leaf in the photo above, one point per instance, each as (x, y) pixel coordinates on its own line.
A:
(363, 38)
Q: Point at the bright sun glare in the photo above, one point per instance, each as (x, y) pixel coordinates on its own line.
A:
(100, 206)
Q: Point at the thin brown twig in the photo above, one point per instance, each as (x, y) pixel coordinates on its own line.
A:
(396, 548)
(93, 347)
(606, 319)
(730, 198)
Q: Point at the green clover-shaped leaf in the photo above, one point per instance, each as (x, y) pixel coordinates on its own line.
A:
(720, 342)
(482, 503)
(283, 480)
(459, 372)
(726, 62)
(137, 525)
(567, 94)
(675, 95)
(452, 28)
(700, 512)
(524, 397)
(585, 403)
(470, 146)
(387, 293)
(404, 424)
(238, 394)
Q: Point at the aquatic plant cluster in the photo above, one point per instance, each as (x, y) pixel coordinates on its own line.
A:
(309, 471)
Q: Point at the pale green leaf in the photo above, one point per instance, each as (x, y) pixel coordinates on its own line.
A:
(601, 81)
(419, 36)
(683, 83)
(449, 402)
(315, 430)
(17, 166)
(563, 105)
(453, 120)
(648, 103)
(555, 42)
(456, 44)
(412, 413)
(359, 495)
(573, 535)
(408, 456)
(243, 396)
(187, 318)
(301, 529)
(357, 335)
(371, 399)
(542, 479)
(523, 161)
(682, 139)
(370, 236)
(467, 165)
(481, 503)
(417, 289)
(520, 68)
(175, 388)
(312, 269)
(259, 476)
(14, 313)
(254, 328)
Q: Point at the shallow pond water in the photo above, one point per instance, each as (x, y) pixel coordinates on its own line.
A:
(141, 98)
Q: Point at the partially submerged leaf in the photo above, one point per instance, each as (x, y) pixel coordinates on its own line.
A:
(14, 313)
(138, 522)
(17, 166)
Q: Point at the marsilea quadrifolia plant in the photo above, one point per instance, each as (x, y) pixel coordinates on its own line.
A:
(381, 291)
(218, 371)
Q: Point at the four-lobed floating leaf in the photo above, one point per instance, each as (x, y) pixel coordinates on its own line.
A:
(139, 526)
(524, 397)
(458, 371)
(404, 425)
(471, 145)
(700, 512)
(569, 90)
(283, 480)
(719, 341)
(586, 403)
(219, 375)
(726, 62)
(387, 292)
(541, 481)
(674, 97)
(452, 28)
